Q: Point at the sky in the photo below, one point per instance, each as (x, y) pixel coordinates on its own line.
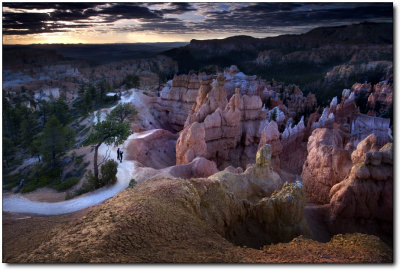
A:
(131, 22)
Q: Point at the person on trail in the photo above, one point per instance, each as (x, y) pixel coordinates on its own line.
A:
(118, 153)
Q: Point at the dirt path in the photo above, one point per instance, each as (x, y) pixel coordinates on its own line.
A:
(45, 202)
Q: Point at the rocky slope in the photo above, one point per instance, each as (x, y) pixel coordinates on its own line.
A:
(162, 215)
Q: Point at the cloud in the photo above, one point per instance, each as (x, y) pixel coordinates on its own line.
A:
(241, 18)
(178, 8)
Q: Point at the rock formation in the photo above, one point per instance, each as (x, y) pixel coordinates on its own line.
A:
(177, 99)
(364, 200)
(369, 144)
(270, 135)
(191, 143)
(231, 129)
(156, 150)
(363, 125)
(294, 148)
(327, 163)
(381, 99)
(173, 214)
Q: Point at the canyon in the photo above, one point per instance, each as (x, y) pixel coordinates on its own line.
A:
(223, 165)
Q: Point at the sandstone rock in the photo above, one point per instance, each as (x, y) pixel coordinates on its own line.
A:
(231, 128)
(367, 145)
(270, 135)
(191, 143)
(199, 167)
(327, 164)
(367, 193)
(176, 100)
(381, 98)
(156, 150)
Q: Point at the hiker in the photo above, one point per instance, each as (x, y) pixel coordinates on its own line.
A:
(118, 153)
(121, 156)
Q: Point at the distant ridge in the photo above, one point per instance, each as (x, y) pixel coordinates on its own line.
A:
(362, 33)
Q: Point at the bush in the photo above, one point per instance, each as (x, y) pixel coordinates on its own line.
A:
(70, 182)
(108, 176)
(132, 183)
(109, 172)
(79, 160)
(41, 178)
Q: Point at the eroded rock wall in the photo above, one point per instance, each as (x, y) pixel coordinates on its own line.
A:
(231, 128)
(363, 201)
(327, 163)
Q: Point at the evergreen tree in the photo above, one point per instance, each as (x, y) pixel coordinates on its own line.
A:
(121, 112)
(35, 147)
(131, 81)
(8, 149)
(59, 108)
(56, 139)
(108, 132)
(88, 104)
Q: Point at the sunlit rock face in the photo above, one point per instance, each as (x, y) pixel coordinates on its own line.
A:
(327, 163)
(231, 128)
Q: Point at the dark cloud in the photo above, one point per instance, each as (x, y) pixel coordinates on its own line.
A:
(81, 13)
(260, 16)
(219, 17)
(178, 8)
(268, 7)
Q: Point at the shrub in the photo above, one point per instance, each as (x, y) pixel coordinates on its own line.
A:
(132, 183)
(67, 183)
(108, 176)
(109, 172)
(79, 160)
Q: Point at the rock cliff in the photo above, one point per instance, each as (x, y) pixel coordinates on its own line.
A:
(177, 99)
(364, 200)
(327, 163)
(222, 131)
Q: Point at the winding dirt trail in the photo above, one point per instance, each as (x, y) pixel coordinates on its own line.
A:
(19, 204)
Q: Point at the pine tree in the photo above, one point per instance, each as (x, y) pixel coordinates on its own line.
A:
(55, 140)
(108, 132)
(121, 112)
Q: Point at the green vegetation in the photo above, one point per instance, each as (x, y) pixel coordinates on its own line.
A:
(109, 172)
(55, 140)
(11, 181)
(132, 183)
(41, 178)
(108, 132)
(70, 182)
(131, 81)
(79, 160)
(121, 112)
(108, 177)
(92, 98)
(8, 149)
